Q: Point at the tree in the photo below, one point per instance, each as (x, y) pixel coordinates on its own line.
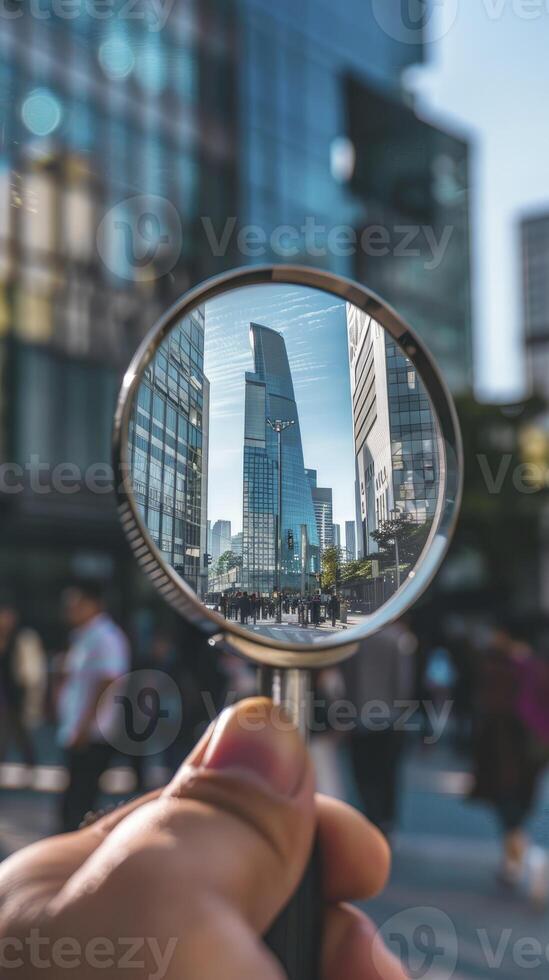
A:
(227, 561)
(410, 536)
(359, 568)
(332, 562)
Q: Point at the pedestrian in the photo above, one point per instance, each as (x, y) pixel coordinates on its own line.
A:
(333, 608)
(383, 673)
(245, 609)
(506, 770)
(87, 717)
(22, 681)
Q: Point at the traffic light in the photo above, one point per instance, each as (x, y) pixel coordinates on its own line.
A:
(290, 540)
(207, 559)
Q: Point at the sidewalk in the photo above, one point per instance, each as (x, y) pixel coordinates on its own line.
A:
(444, 912)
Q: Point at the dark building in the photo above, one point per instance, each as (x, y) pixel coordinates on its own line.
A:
(535, 278)
(414, 249)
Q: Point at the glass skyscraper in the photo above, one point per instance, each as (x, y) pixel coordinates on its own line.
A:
(323, 506)
(395, 438)
(270, 396)
(168, 451)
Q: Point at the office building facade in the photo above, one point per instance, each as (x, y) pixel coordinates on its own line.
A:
(103, 119)
(168, 452)
(323, 506)
(394, 432)
(236, 544)
(350, 540)
(270, 397)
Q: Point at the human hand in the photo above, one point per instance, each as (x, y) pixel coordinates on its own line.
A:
(185, 881)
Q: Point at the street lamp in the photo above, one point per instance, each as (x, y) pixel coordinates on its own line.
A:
(395, 516)
(279, 426)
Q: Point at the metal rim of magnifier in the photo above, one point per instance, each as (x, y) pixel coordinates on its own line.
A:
(175, 590)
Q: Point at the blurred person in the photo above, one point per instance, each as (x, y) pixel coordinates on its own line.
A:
(22, 681)
(245, 609)
(381, 675)
(533, 709)
(98, 656)
(506, 770)
(205, 891)
(333, 607)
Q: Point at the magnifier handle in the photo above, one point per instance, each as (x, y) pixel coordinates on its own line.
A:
(296, 936)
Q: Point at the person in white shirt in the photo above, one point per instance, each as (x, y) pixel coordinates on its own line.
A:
(98, 657)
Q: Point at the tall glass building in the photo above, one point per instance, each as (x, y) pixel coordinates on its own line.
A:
(270, 396)
(330, 139)
(395, 438)
(168, 451)
(110, 124)
(323, 505)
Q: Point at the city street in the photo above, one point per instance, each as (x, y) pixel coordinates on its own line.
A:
(289, 630)
(443, 911)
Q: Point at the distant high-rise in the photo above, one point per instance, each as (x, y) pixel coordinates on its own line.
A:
(337, 535)
(395, 445)
(270, 396)
(350, 540)
(323, 504)
(236, 544)
(535, 277)
(221, 539)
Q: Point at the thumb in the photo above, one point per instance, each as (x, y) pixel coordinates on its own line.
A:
(245, 811)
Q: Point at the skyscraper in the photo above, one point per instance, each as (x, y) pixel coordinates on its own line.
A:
(323, 505)
(329, 133)
(270, 397)
(168, 452)
(395, 439)
(350, 540)
(535, 277)
(221, 539)
(337, 535)
(236, 544)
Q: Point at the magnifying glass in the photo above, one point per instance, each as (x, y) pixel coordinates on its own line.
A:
(268, 409)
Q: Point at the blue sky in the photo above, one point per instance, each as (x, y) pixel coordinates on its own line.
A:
(488, 77)
(315, 331)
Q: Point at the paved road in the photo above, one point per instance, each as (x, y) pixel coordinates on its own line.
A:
(443, 910)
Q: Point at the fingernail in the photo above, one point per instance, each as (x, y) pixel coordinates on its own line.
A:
(256, 736)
